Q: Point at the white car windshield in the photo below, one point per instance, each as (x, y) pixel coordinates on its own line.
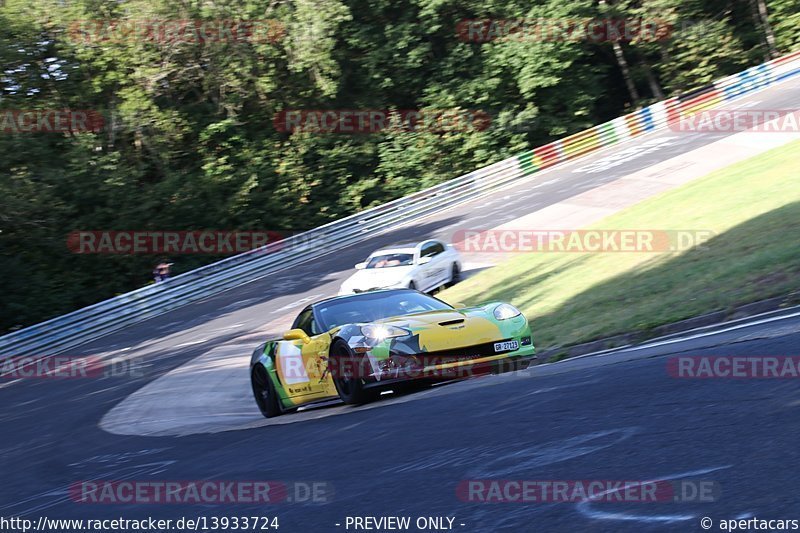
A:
(390, 260)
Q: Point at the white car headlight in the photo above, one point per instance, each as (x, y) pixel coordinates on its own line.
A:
(506, 311)
(380, 331)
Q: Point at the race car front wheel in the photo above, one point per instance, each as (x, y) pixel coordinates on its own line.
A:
(264, 392)
(349, 376)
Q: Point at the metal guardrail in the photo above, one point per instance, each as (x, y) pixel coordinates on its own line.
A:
(96, 320)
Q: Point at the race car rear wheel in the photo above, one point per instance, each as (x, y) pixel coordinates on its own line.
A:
(349, 376)
(264, 392)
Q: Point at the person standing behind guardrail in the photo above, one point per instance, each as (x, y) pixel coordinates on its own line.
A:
(162, 271)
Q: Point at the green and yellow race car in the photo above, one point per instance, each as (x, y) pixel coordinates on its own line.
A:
(356, 346)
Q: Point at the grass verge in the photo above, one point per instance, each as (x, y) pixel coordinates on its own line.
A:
(753, 208)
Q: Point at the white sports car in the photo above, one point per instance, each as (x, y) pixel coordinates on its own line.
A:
(424, 266)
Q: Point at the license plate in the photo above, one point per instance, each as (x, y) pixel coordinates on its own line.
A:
(506, 346)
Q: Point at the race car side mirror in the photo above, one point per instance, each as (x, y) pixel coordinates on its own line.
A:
(297, 335)
(361, 266)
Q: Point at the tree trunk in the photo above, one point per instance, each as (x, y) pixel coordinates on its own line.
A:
(622, 62)
(758, 11)
(655, 88)
(626, 73)
(770, 36)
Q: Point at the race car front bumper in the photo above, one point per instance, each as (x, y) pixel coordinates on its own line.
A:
(448, 366)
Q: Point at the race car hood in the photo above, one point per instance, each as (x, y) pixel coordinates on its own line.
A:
(446, 329)
(375, 278)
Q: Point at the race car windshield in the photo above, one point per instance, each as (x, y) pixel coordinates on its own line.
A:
(370, 307)
(390, 260)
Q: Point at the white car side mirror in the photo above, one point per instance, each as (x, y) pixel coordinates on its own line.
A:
(361, 266)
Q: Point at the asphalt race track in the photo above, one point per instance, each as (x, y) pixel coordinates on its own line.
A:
(617, 416)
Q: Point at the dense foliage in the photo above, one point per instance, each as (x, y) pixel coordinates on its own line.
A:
(190, 139)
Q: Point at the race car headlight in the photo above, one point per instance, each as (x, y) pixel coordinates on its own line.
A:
(506, 311)
(380, 332)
